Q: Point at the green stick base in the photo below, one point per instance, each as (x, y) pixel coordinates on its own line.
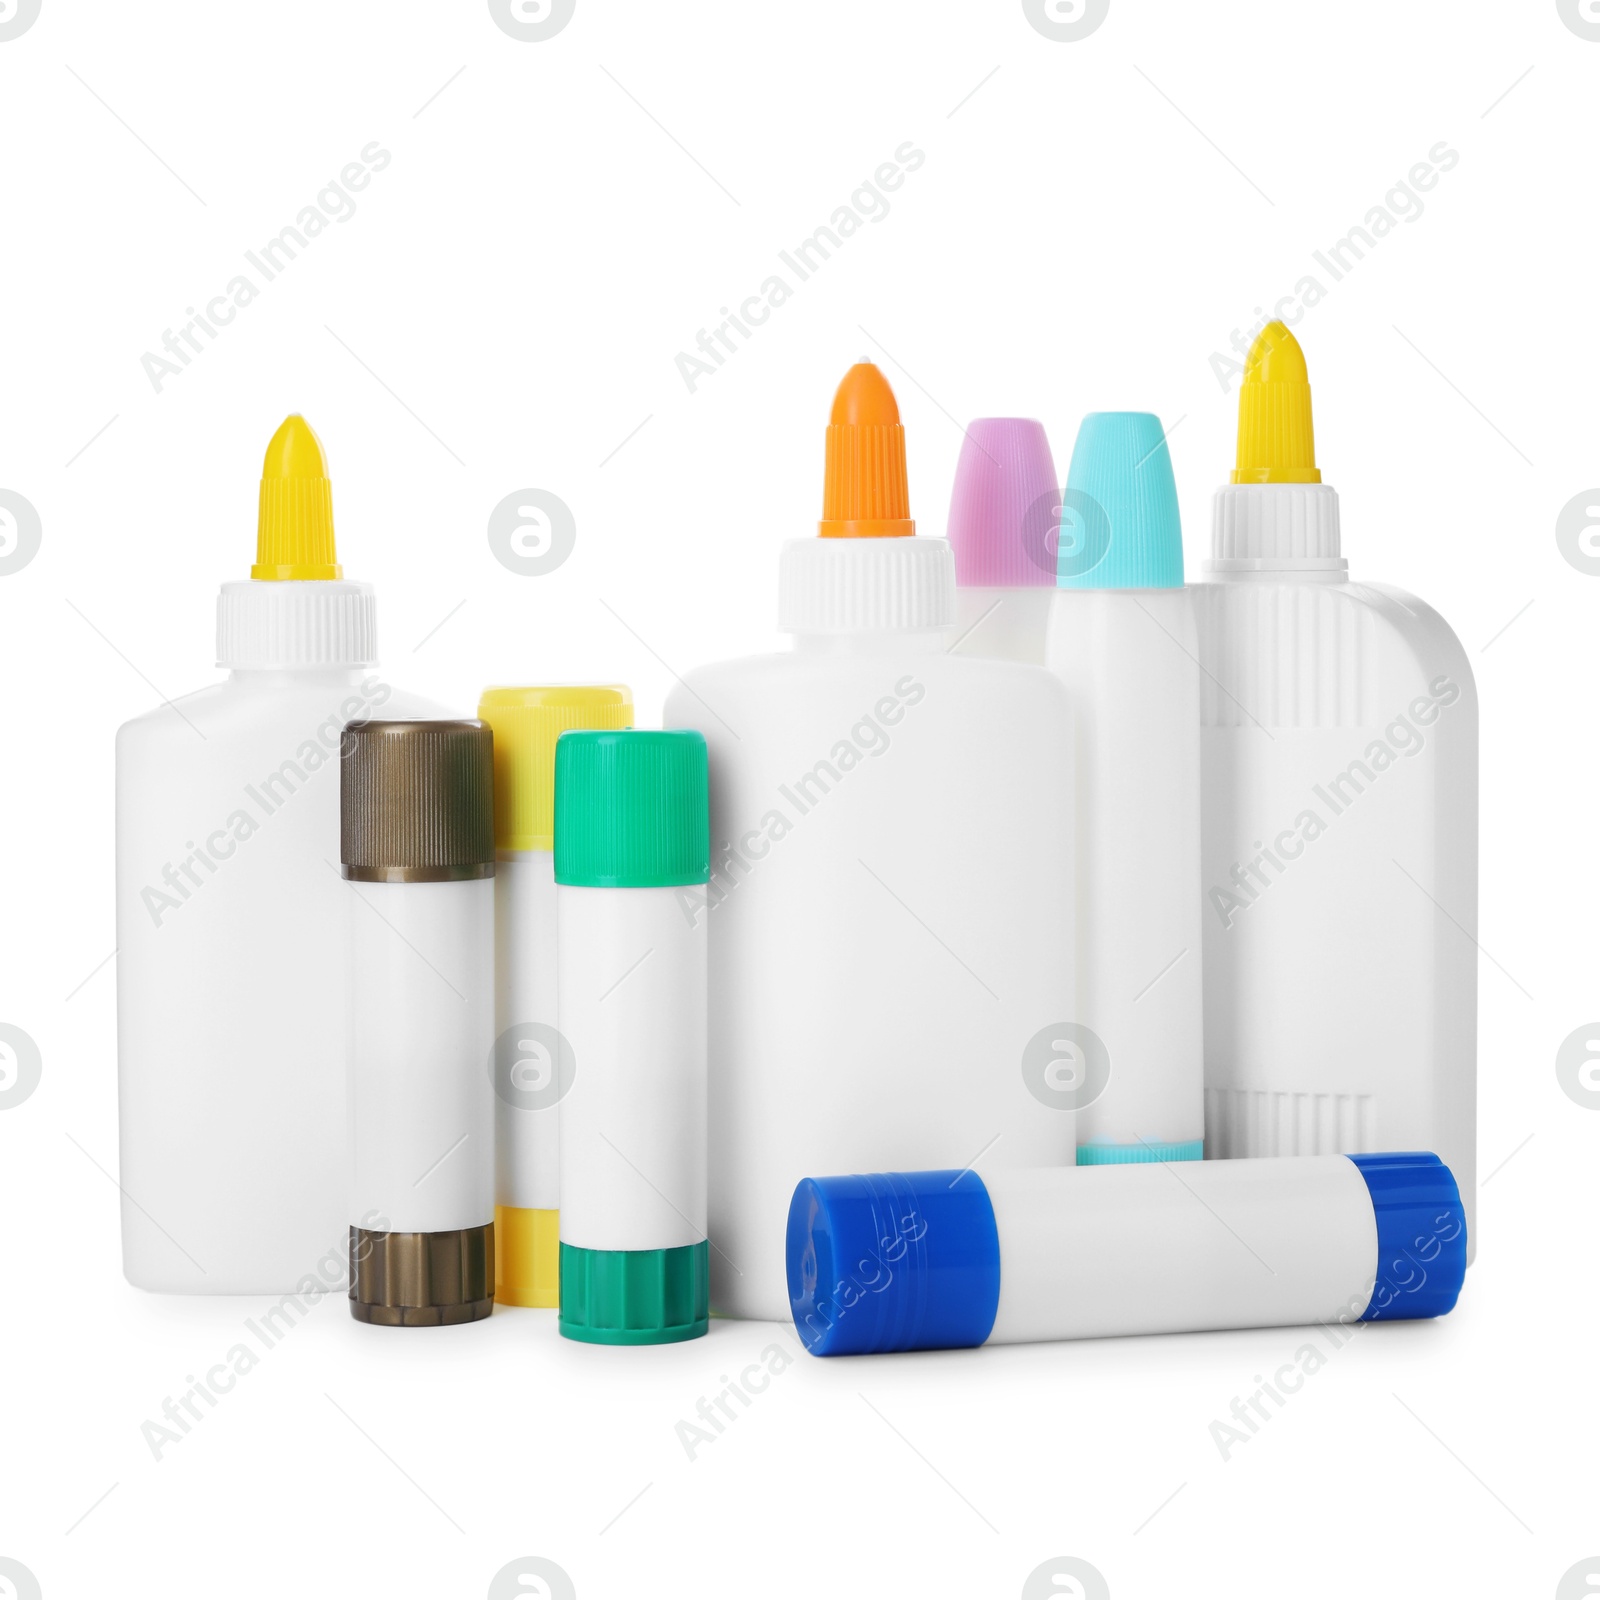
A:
(635, 1296)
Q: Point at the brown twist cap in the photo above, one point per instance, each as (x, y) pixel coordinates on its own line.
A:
(422, 1280)
(416, 801)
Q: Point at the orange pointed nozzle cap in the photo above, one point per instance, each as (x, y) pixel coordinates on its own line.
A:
(294, 525)
(864, 494)
(1276, 444)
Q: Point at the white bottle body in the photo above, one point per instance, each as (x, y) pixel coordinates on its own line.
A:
(529, 1078)
(1339, 747)
(421, 1031)
(1146, 1248)
(632, 985)
(1003, 623)
(231, 1006)
(890, 925)
(1129, 660)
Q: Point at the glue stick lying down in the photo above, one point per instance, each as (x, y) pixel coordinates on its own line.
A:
(946, 1260)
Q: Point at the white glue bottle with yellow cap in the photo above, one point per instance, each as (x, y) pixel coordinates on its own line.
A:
(231, 930)
(1339, 822)
(533, 1063)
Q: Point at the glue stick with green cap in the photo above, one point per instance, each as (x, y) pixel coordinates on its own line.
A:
(232, 956)
(532, 1066)
(1122, 638)
(1339, 842)
(632, 834)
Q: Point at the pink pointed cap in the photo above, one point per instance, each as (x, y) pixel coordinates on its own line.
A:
(1005, 507)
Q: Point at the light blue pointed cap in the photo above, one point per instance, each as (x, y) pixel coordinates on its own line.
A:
(1119, 514)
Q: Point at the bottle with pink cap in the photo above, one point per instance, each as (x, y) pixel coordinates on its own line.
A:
(1004, 512)
(1088, 580)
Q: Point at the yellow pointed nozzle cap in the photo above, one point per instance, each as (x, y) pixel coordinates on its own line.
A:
(294, 529)
(1275, 439)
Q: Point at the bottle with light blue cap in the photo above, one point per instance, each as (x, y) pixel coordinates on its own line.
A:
(948, 1260)
(1122, 638)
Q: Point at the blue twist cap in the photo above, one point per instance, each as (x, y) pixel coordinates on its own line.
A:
(1119, 513)
(894, 1261)
(1422, 1235)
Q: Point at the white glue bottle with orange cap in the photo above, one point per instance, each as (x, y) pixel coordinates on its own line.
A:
(890, 906)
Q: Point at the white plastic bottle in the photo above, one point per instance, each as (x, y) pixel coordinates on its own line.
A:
(631, 834)
(1005, 512)
(1122, 639)
(231, 944)
(890, 901)
(1339, 735)
(417, 851)
(533, 1067)
(945, 1260)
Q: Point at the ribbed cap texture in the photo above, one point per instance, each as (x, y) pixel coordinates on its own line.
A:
(864, 480)
(264, 626)
(1119, 519)
(1275, 522)
(632, 809)
(294, 527)
(635, 1296)
(527, 722)
(420, 1279)
(864, 492)
(938, 1228)
(416, 799)
(833, 586)
(1005, 506)
(295, 521)
(1421, 1223)
(1277, 443)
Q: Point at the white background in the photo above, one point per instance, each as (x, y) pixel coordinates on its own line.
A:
(1092, 221)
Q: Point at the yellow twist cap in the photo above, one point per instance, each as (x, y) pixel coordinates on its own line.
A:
(527, 1257)
(1275, 440)
(294, 529)
(527, 722)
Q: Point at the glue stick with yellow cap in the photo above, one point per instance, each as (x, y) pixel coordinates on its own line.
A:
(231, 934)
(889, 916)
(532, 1065)
(1339, 746)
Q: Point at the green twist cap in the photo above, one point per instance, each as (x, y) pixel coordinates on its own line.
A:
(632, 810)
(635, 1296)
